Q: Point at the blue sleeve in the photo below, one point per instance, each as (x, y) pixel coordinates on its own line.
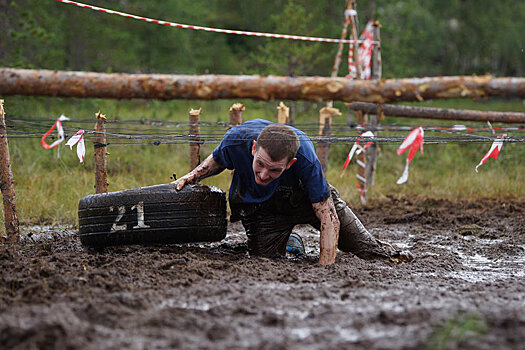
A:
(222, 156)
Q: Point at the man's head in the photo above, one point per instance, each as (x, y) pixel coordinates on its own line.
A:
(274, 152)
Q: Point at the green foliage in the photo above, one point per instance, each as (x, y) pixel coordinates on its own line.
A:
(429, 37)
(292, 58)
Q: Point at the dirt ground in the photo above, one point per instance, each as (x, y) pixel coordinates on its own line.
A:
(466, 288)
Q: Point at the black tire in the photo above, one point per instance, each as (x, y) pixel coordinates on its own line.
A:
(155, 214)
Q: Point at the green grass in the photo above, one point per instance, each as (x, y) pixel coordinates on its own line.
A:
(454, 332)
(48, 189)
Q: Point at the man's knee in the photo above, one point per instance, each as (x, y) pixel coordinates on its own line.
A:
(267, 243)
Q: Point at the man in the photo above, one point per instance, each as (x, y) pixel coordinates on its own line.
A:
(278, 183)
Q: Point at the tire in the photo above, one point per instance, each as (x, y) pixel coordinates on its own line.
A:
(155, 214)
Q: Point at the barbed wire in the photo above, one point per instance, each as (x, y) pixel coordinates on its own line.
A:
(169, 132)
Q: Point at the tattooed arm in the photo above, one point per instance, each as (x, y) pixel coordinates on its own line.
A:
(207, 168)
(326, 213)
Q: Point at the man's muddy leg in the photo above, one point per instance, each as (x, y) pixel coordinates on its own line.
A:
(267, 235)
(355, 238)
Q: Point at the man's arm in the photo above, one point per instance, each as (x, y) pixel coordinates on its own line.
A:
(208, 167)
(326, 213)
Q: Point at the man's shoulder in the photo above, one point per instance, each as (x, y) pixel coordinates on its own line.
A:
(245, 132)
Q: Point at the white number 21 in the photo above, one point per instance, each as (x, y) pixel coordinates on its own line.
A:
(122, 210)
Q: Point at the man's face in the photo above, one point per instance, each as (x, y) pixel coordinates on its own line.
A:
(265, 169)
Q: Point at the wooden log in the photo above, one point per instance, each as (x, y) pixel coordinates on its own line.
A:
(325, 125)
(236, 114)
(440, 113)
(194, 135)
(283, 114)
(210, 87)
(99, 144)
(6, 184)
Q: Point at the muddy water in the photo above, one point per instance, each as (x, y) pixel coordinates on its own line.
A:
(464, 290)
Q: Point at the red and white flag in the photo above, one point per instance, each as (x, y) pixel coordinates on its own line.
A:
(357, 148)
(78, 139)
(494, 150)
(60, 131)
(364, 52)
(414, 141)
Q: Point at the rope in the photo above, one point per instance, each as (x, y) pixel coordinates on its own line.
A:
(214, 30)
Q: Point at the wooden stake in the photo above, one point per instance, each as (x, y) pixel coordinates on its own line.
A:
(353, 30)
(236, 114)
(325, 125)
(194, 133)
(6, 184)
(283, 114)
(101, 175)
(376, 52)
(371, 151)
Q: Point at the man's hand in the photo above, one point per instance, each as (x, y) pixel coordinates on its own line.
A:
(326, 213)
(186, 179)
(208, 167)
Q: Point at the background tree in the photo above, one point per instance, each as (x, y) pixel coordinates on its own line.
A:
(425, 37)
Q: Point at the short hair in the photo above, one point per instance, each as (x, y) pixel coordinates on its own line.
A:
(279, 141)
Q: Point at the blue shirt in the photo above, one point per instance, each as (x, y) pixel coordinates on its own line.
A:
(234, 152)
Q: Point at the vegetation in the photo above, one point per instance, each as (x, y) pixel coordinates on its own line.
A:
(419, 38)
(457, 331)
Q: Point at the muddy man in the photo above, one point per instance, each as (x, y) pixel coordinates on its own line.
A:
(278, 183)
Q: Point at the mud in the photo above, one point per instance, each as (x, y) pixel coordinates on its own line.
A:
(464, 290)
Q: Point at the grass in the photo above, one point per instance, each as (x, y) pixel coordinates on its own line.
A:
(456, 331)
(48, 188)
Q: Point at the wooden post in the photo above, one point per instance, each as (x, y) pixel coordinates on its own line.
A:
(236, 114)
(101, 174)
(371, 152)
(337, 60)
(376, 52)
(194, 134)
(353, 31)
(325, 124)
(6, 184)
(283, 114)
(360, 118)
(361, 163)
